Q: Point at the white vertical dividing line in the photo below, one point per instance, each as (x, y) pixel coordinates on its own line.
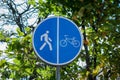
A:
(57, 40)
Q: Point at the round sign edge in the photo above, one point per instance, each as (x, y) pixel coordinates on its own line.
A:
(56, 64)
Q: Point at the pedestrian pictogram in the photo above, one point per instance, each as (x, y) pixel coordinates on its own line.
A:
(57, 40)
(47, 40)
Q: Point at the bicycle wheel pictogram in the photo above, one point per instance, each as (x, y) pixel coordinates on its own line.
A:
(76, 43)
(63, 43)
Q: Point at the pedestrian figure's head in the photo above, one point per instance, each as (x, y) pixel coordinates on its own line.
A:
(47, 31)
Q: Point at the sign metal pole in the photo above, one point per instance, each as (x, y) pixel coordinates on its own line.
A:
(57, 72)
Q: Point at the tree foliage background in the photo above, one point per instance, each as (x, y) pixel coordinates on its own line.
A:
(99, 21)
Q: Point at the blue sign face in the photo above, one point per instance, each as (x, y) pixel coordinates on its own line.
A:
(57, 41)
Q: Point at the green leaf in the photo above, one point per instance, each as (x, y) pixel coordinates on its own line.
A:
(29, 70)
(12, 75)
(16, 61)
(2, 62)
(31, 2)
(27, 29)
(19, 32)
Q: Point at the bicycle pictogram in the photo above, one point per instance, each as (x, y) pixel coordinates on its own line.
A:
(64, 42)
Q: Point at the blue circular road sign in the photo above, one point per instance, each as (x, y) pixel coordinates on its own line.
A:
(57, 41)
